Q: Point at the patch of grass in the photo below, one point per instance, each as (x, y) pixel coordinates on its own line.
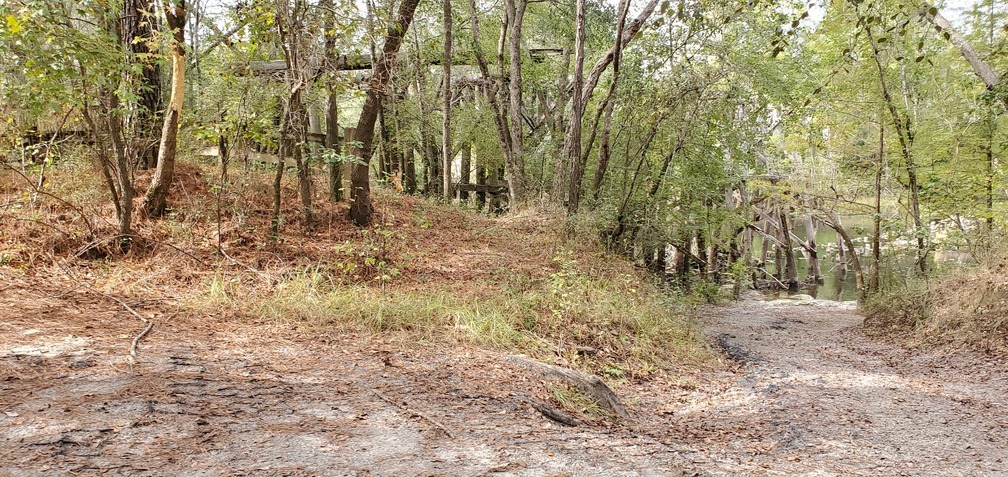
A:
(968, 309)
(635, 327)
(573, 401)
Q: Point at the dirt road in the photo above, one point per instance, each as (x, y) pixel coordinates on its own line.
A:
(823, 399)
(809, 395)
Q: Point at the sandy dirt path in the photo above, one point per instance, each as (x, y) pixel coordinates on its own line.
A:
(821, 398)
(807, 394)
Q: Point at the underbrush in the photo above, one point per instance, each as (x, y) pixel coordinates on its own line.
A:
(615, 326)
(426, 271)
(966, 309)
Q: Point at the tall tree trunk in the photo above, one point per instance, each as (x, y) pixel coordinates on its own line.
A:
(604, 148)
(361, 209)
(384, 170)
(792, 266)
(446, 144)
(293, 131)
(333, 144)
(139, 29)
(302, 163)
(841, 250)
(492, 87)
(157, 194)
(874, 279)
(516, 167)
(125, 153)
(481, 179)
(607, 109)
(332, 140)
(765, 248)
(559, 128)
(593, 77)
(905, 139)
(572, 140)
(604, 152)
(989, 151)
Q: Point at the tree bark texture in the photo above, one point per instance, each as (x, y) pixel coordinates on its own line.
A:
(361, 209)
(157, 194)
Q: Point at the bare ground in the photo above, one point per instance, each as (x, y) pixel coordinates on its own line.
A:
(806, 394)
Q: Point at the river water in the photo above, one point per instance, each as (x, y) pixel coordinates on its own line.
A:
(838, 285)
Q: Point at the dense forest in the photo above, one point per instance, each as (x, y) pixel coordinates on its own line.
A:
(577, 181)
(691, 134)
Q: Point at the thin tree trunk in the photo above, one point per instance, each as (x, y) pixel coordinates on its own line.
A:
(481, 179)
(300, 161)
(384, 157)
(607, 109)
(905, 146)
(593, 77)
(841, 250)
(465, 170)
(333, 144)
(516, 167)
(332, 141)
(990, 177)
(765, 248)
(446, 144)
(558, 127)
(812, 250)
(102, 157)
(125, 154)
(157, 194)
(604, 153)
(290, 26)
(491, 86)
(874, 279)
(791, 264)
(572, 140)
(362, 209)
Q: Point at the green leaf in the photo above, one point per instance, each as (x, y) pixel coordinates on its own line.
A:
(13, 24)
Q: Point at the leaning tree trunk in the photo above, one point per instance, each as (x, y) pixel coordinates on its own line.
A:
(157, 194)
(980, 68)
(361, 209)
(834, 223)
